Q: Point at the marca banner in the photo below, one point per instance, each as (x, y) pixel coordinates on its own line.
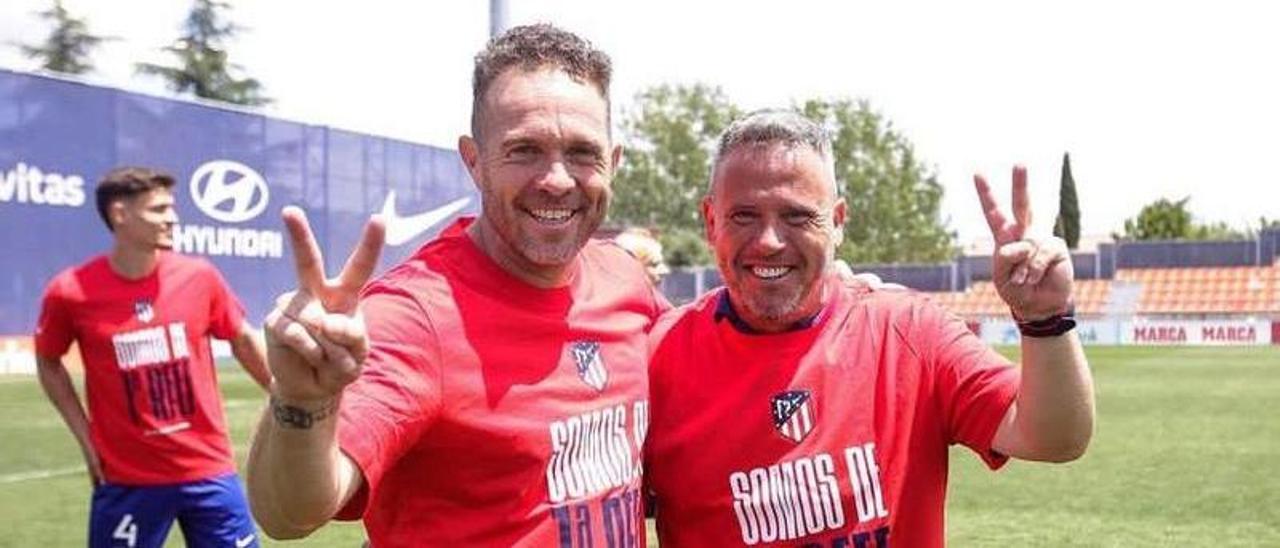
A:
(235, 171)
(1142, 331)
(1197, 332)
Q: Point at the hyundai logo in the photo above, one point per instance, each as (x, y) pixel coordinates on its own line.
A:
(229, 191)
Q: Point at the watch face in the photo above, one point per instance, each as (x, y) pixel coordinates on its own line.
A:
(289, 415)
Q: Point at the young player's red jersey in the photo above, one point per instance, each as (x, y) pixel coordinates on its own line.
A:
(831, 435)
(494, 413)
(155, 414)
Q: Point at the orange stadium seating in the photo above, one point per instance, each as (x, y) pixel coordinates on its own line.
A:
(1206, 290)
(1198, 290)
(982, 300)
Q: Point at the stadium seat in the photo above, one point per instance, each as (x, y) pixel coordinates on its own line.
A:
(1206, 290)
(1197, 290)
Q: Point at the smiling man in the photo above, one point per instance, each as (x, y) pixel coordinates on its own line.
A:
(798, 407)
(154, 439)
(491, 390)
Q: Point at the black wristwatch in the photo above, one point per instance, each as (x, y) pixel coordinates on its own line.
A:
(301, 418)
(1052, 326)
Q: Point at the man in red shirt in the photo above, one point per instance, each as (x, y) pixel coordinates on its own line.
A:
(154, 439)
(800, 408)
(491, 389)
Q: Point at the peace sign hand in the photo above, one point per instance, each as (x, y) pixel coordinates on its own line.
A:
(316, 339)
(1033, 276)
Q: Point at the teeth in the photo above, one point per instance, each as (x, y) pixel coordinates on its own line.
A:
(551, 214)
(770, 272)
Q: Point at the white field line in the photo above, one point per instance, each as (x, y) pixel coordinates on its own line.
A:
(40, 474)
(240, 449)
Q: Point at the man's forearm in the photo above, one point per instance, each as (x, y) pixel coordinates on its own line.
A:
(57, 385)
(1055, 405)
(297, 477)
(249, 349)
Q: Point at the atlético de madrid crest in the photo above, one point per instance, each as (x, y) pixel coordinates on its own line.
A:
(586, 355)
(142, 309)
(792, 414)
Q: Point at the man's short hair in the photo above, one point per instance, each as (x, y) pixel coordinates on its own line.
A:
(775, 126)
(532, 47)
(123, 183)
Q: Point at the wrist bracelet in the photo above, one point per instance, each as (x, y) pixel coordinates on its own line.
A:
(1052, 326)
(301, 418)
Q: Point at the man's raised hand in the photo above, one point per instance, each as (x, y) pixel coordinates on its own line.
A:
(1034, 276)
(316, 339)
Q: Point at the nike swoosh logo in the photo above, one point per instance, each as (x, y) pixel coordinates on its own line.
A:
(403, 229)
(247, 540)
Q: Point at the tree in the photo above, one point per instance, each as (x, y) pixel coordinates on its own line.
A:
(670, 138)
(1217, 231)
(894, 200)
(68, 45)
(1160, 220)
(1067, 225)
(203, 68)
(1168, 220)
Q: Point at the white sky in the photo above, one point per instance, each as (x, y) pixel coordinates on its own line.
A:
(1152, 99)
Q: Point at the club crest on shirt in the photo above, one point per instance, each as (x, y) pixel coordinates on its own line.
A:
(586, 356)
(792, 414)
(142, 309)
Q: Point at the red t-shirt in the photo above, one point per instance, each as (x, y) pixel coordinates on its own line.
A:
(831, 435)
(494, 413)
(155, 415)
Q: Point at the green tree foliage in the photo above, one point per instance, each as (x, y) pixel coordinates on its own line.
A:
(894, 200)
(68, 45)
(202, 66)
(669, 140)
(1067, 225)
(1172, 220)
(1160, 220)
(1217, 231)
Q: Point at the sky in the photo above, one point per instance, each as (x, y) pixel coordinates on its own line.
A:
(1151, 99)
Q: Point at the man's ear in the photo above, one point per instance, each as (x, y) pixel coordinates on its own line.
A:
(469, 149)
(616, 158)
(839, 214)
(116, 212)
(708, 219)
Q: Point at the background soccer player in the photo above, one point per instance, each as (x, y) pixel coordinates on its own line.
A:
(796, 406)
(154, 439)
(491, 390)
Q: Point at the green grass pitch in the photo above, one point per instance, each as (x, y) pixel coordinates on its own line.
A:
(1187, 453)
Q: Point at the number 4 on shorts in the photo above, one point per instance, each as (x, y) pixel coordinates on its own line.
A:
(127, 531)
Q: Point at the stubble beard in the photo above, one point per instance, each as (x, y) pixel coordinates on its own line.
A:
(533, 250)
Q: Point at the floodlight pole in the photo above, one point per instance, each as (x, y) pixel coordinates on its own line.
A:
(497, 17)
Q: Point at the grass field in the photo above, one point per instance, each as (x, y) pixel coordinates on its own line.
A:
(1187, 453)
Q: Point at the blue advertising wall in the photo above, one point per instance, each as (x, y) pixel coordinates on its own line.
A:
(1183, 253)
(234, 170)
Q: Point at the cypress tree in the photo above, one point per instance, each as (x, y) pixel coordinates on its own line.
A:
(1067, 225)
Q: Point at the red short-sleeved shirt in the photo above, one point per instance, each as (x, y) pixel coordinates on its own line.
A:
(832, 435)
(155, 415)
(494, 413)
